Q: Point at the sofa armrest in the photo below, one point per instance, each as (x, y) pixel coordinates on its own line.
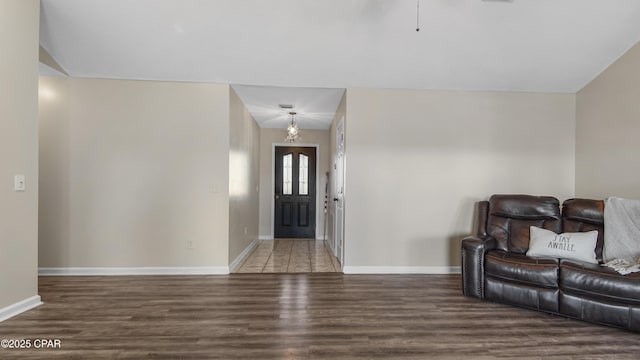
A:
(473, 250)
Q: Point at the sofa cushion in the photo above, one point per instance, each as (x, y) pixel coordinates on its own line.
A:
(511, 216)
(598, 282)
(581, 215)
(533, 297)
(525, 207)
(522, 269)
(600, 311)
(584, 210)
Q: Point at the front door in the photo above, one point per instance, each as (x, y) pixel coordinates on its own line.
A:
(295, 192)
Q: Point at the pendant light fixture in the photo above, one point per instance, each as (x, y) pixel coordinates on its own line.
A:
(293, 134)
(417, 15)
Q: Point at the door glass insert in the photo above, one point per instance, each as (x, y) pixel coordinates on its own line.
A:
(287, 174)
(303, 175)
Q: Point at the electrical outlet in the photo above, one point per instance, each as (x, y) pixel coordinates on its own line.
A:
(245, 230)
(190, 244)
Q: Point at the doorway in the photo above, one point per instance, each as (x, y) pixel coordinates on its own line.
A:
(294, 192)
(279, 254)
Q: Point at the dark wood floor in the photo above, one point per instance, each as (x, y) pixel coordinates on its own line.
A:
(296, 316)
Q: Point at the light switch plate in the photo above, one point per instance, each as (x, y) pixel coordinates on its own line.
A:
(19, 183)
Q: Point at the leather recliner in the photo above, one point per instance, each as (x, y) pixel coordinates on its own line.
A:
(495, 265)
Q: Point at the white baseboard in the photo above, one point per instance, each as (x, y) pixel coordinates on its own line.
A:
(12, 310)
(243, 255)
(401, 270)
(114, 271)
(269, 237)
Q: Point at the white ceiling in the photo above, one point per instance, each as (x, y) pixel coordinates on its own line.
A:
(315, 107)
(524, 45)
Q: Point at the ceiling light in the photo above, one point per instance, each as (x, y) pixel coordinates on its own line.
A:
(418, 15)
(293, 134)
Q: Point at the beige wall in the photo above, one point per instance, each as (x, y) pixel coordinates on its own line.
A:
(607, 132)
(417, 161)
(147, 175)
(244, 166)
(19, 22)
(268, 137)
(54, 168)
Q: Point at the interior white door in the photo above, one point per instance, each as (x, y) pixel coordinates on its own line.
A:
(338, 196)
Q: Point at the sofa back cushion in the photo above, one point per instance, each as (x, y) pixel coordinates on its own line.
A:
(581, 215)
(511, 216)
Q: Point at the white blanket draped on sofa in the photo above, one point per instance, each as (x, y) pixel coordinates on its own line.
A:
(622, 234)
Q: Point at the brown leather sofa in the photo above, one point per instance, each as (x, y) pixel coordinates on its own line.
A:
(495, 265)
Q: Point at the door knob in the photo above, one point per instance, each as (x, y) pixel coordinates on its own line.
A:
(336, 199)
(277, 197)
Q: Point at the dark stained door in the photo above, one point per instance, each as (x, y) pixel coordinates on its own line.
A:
(295, 191)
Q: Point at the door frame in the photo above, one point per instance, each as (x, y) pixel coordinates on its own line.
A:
(273, 182)
(341, 255)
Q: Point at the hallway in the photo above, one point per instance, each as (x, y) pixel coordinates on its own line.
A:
(291, 256)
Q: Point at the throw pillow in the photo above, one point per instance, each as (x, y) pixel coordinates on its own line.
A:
(579, 246)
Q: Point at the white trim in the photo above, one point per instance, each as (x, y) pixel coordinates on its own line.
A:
(401, 270)
(341, 256)
(109, 271)
(265, 237)
(273, 180)
(243, 255)
(12, 310)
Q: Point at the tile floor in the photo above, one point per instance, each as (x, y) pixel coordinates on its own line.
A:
(290, 256)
